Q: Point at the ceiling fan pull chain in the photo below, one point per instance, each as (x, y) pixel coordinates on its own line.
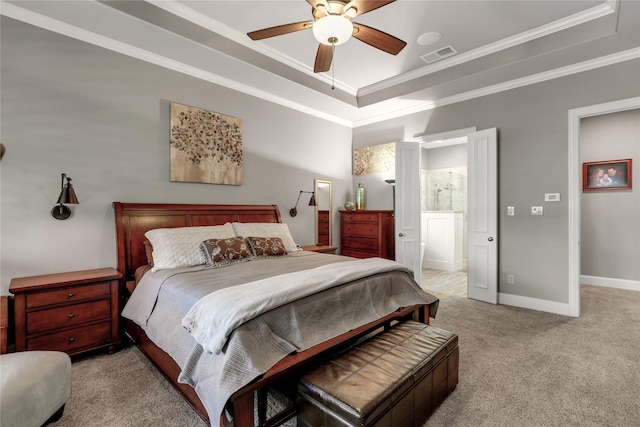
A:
(333, 67)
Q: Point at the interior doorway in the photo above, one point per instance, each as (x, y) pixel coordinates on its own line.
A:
(574, 191)
(482, 203)
(443, 216)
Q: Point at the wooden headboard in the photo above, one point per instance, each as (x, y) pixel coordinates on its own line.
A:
(135, 219)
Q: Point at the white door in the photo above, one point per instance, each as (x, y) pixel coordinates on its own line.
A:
(407, 220)
(482, 225)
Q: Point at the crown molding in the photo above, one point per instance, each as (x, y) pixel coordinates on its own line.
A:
(603, 61)
(394, 108)
(561, 24)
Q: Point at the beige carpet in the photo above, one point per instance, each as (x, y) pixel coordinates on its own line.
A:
(517, 368)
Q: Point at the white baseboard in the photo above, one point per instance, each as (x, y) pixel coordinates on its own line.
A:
(607, 282)
(534, 304)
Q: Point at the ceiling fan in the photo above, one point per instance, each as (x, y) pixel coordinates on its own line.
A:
(332, 26)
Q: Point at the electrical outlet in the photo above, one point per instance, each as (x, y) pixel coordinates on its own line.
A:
(536, 210)
(511, 279)
(511, 210)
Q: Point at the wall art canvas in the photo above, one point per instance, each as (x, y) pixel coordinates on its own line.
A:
(374, 159)
(206, 147)
(606, 175)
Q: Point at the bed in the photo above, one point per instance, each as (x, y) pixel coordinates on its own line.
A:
(196, 372)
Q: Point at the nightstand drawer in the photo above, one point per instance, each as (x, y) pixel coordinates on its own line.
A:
(366, 243)
(359, 229)
(71, 315)
(70, 294)
(72, 339)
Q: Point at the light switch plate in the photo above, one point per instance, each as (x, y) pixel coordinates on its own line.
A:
(536, 210)
(551, 197)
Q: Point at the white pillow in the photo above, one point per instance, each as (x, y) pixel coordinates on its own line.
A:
(267, 229)
(180, 247)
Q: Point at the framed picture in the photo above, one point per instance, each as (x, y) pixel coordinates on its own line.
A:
(606, 175)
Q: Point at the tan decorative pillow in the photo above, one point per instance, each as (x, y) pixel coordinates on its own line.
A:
(221, 252)
(266, 247)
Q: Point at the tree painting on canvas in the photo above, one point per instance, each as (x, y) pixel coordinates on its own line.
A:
(374, 159)
(206, 147)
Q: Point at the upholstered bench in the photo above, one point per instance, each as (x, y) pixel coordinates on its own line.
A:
(397, 378)
(35, 387)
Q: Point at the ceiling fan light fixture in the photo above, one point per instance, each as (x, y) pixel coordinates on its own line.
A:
(332, 30)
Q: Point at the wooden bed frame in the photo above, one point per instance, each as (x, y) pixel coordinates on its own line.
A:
(134, 219)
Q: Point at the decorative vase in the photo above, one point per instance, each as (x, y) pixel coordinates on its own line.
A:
(349, 206)
(360, 197)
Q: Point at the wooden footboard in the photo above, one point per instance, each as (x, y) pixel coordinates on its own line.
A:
(242, 401)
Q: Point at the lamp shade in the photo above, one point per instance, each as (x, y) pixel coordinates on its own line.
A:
(332, 30)
(68, 195)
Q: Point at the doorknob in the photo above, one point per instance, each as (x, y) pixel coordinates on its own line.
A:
(400, 234)
(490, 239)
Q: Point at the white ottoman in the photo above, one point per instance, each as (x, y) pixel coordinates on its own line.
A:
(35, 387)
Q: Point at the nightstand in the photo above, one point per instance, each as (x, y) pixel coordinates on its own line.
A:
(325, 249)
(72, 312)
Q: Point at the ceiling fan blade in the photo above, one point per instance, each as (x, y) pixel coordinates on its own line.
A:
(323, 58)
(364, 6)
(315, 3)
(378, 39)
(279, 30)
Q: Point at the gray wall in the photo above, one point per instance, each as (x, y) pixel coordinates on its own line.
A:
(444, 157)
(103, 118)
(532, 124)
(610, 220)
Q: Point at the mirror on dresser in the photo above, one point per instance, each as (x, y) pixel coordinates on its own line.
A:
(324, 209)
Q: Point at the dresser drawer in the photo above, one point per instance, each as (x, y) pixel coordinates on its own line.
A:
(358, 254)
(70, 315)
(72, 339)
(366, 243)
(361, 217)
(360, 229)
(72, 293)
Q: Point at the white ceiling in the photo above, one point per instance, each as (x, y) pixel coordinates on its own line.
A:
(500, 45)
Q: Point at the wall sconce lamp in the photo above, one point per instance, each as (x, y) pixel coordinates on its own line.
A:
(67, 195)
(312, 202)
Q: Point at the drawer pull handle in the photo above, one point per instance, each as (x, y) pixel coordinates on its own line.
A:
(71, 294)
(71, 316)
(370, 244)
(71, 339)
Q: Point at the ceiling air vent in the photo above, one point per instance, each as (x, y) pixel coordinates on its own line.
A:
(439, 54)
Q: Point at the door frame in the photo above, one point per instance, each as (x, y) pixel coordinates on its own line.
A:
(575, 188)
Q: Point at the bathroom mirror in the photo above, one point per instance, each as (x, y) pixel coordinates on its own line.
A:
(324, 211)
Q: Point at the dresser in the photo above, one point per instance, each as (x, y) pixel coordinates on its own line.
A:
(323, 228)
(367, 233)
(72, 312)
